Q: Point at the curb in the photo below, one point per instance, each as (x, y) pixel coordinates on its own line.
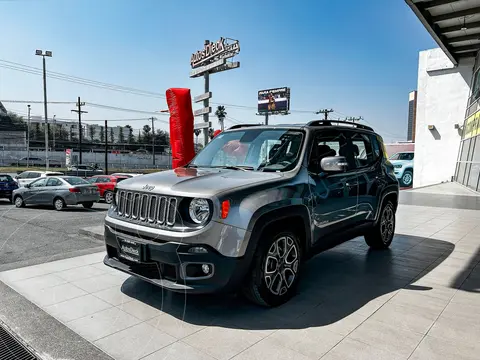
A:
(91, 233)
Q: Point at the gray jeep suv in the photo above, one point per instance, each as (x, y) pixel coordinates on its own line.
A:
(252, 207)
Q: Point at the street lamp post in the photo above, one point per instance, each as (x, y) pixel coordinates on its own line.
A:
(43, 54)
(53, 133)
(28, 136)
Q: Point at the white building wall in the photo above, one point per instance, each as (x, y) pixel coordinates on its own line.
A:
(443, 91)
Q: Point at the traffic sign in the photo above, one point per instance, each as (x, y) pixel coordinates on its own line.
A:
(206, 110)
(204, 125)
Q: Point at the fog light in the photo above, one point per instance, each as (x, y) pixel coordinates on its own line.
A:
(206, 269)
(197, 250)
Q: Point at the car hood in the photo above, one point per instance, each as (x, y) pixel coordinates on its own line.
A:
(197, 182)
(401, 162)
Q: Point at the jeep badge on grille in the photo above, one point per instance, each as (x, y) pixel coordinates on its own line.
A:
(148, 187)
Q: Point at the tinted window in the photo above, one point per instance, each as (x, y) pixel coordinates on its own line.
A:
(362, 150)
(34, 175)
(92, 180)
(5, 178)
(376, 147)
(73, 180)
(326, 144)
(38, 183)
(54, 182)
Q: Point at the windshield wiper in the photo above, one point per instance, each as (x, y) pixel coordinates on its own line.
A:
(233, 167)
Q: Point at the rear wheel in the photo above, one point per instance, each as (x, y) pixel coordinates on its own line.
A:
(59, 204)
(88, 205)
(108, 197)
(19, 203)
(381, 235)
(275, 270)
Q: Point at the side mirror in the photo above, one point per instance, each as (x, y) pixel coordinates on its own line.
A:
(27, 185)
(334, 164)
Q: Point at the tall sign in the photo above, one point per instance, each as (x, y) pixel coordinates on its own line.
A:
(273, 101)
(211, 59)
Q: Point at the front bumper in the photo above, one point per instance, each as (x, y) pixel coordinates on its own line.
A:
(167, 264)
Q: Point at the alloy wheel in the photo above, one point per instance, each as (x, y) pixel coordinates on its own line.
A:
(281, 265)
(59, 204)
(18, 201)
(407, 179)
(387, 224)
(109, 197)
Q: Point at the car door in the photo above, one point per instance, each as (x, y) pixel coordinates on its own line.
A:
(52, 188)
(367, 156)
(34, 193)
(334, 194)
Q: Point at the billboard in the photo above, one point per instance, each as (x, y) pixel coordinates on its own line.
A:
(274, 100)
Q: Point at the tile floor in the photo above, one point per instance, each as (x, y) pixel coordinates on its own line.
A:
(419, 300)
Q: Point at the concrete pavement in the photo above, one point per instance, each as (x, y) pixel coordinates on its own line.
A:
(418, 300)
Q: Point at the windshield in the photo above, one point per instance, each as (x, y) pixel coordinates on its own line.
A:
(252, 149)
(402, 156)
(73, 180)
(5, 178)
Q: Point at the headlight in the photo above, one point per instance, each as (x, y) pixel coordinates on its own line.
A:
(199, 210)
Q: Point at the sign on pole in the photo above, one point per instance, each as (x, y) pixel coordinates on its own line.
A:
(202, 70)
(202, 125)
(202, 97)
(68, 158)
(206, 110)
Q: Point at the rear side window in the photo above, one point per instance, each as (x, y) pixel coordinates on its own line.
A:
(377, 153)
(34, 175)
(73, 180)
(54, 182)
(362, 150)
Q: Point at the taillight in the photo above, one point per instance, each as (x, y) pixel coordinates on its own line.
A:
(74, 190)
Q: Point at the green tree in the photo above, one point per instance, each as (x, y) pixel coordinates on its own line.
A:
(220, 113)
(112, 136)
(102, 134)
(147, 137)
(91, 133)
(130, 138)
(37, 131)
(121, 136)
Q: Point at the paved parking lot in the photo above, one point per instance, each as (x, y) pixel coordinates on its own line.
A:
(418, 300)
(34, 235)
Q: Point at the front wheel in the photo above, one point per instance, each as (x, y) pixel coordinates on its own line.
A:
(407, 178)
(381, 235)
(108, 197)
(275, 270)
(19, 203)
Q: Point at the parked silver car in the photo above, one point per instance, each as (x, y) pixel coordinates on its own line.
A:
(58, 191)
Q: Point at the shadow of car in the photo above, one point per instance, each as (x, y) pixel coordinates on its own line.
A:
(336, 284)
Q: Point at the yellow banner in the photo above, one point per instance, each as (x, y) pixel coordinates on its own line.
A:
(472, 126)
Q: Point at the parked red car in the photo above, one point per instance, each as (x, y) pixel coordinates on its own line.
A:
(106, 184)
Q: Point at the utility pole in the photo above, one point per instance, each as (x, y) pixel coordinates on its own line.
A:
(153, 139)
(80, 112)
(106, 148)
(325, 112)
(266, 118)
(28, 135)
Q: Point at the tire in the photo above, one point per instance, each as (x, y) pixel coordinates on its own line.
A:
(381, 235)
(108, 197)
(19, 203)
(88, 205)
(278, 251)
(407, 178)
(59, 204)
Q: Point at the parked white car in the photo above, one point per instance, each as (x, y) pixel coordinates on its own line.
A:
(27, 177)
(403, 164)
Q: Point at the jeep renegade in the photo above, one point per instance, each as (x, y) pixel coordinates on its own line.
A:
(252, 207)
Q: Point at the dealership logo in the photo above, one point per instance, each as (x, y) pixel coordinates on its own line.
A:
(148, 187)
(214, 51)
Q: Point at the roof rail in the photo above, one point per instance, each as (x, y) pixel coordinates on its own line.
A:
(242, 126)
(333, 122)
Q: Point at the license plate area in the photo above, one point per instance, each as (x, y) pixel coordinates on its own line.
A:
(130, 250)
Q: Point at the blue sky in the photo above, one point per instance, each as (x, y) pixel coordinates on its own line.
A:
(358, 57)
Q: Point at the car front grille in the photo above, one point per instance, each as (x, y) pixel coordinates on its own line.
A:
(151, 209)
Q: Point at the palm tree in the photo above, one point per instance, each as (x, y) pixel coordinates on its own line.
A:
(221, 114)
